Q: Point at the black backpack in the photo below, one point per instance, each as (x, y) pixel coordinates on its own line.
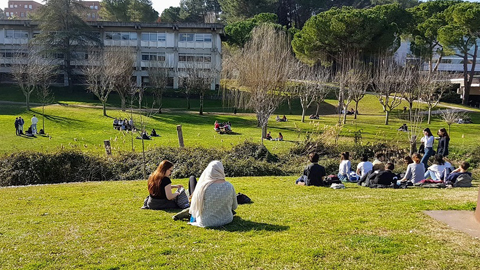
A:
(243, 199)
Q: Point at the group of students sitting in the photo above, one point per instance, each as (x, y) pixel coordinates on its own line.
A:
(124, 124)
(314, 116)
(211, 202)
(380, 175)
(270, 138)
(225, 127)
(283, 119)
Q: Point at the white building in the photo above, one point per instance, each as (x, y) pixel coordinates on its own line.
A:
(174, 46)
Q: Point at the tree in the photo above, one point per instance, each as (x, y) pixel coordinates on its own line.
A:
(100, 74)
(452, 116)
(158, 77)
(239, 33)
(330, 34)
(263, 70)
(171, 15)
(121, 70)
(142, 11)
(45, 95)
(388, 78)
(428, 18)
(307, 84)
(128, 11)
(30, 68)
(359, 80)
(432, 86)
(198, 78)
(2, 15)
(63, 31)
(461, 36)
(237, 10)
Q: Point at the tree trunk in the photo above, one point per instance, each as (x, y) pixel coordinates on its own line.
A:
(387, 114)
(413, 144)
(188, 102)
(289, 106)
(356, 110)
(43, 120)
(143, 157)
(27, 100)
(429, 115)
(201, 104)
(160, 102)
(317, 112)
(104, 108)
(410, 104)
(303, 114)
(122, 98)
(344, 116)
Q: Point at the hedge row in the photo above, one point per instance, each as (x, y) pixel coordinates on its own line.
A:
(246, 159)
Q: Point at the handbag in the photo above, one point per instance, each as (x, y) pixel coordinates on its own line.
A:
(182, 199)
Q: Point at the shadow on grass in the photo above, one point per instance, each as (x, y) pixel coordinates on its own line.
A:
(240, 225)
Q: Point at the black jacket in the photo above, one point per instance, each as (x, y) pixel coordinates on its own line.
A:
(315, 174)
(442, 148)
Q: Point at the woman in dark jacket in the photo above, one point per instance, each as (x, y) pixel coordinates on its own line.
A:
(444, 139)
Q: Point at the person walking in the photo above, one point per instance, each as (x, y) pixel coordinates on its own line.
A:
(34, 125)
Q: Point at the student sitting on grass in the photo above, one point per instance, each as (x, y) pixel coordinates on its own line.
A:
(462, 171)
(160, 188)
(385, 178)
(214, 198)
(415, 171)
(314, 174)
(268, 136)
(345, 167)
(437, 170)
(154, 133)
(364, 167)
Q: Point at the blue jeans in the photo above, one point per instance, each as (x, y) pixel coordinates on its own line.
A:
(428, 154)
(430, 174)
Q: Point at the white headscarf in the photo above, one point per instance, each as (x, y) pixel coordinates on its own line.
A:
(212, 173)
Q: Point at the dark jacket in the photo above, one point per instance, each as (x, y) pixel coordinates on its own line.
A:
(442, 148)
(386, 177)
(315, 174)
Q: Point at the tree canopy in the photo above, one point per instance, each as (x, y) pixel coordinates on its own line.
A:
(128, 11)
(240, 32)
(328, 34)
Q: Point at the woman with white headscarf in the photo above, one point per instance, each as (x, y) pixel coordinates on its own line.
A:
(214, 198)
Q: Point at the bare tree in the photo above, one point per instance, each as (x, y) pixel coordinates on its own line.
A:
(44, 93)
(29, 68)
(415, 129)
(158, 77)
(121, 70)
(452, 116)
(98, 75)
(412, 90)
(432, 87)
(198, 77)
(307, 85)
(263, 70)
(358, 80)
(387, 84)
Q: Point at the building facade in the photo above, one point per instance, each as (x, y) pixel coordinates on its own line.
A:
(21, 9)
(171, 46)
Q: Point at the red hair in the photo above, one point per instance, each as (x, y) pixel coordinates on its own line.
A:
(155, 179)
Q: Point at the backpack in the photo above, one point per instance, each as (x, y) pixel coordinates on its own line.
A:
(243, 199)
(332, 179)
(463, 180)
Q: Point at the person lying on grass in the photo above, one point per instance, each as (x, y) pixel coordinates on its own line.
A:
(214, 198)
(160, 188)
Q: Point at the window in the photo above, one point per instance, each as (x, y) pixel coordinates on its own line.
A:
(11, 6)
(88, 15)
(7, 54)
(91, 7)
(154, 37)
(15, 5)
(22, 14)
(153, 57)
(30, 7)
(162, 37)
(96, 7)
(121, 35)
(203, 37)
(198, 58)
(93, 15)
(7, 14)
(17, 34)
(186, 37)
(26, 6)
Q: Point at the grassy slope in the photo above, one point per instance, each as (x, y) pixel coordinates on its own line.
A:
(86, 128)
(99, 225)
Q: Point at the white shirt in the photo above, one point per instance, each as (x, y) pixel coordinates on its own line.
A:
(428, 141)
(438, 170)
(364, 167)
(344, 167)
(34, 120)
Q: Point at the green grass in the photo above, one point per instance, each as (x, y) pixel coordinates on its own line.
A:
(99, 225)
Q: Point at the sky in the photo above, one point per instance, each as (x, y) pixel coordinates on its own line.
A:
(158, 5)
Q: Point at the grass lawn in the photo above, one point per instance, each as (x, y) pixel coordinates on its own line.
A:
(99, 225)
(71, 127)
